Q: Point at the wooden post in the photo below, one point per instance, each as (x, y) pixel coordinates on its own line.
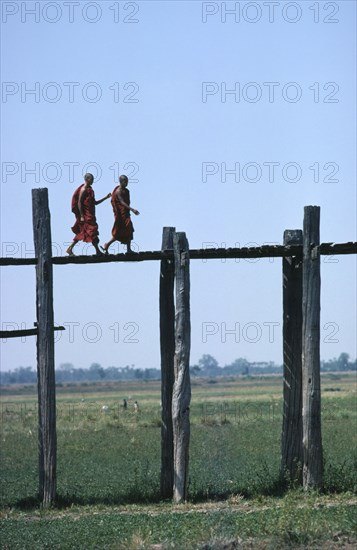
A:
(291, 443)
(182, 386)
(167, 346)
(312, 441)
(45, 347)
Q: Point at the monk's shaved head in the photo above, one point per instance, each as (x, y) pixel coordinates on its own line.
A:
(123, 179)
(88, 177)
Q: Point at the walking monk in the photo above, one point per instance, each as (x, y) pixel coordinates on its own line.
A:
(123, 229)
(83, 207)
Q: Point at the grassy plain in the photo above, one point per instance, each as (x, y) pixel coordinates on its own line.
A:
(109, 463)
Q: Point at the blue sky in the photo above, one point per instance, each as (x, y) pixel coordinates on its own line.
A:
(159, 74)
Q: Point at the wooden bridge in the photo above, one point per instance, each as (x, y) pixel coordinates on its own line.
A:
(301, 250)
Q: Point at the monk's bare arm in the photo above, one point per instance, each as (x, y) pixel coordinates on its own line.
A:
(136, 212)
(103, 199)
(80, 203)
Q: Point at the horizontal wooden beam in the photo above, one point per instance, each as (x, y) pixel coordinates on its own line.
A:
(18, 261)
(330, 249)
(108, 258)
(265, 251)
(24, 332)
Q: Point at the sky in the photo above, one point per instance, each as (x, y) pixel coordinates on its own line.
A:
(227, 117)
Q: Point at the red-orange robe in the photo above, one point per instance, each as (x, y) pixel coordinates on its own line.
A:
(123, 229)
(86, 231)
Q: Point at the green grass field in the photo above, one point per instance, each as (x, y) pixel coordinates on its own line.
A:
(109, 464)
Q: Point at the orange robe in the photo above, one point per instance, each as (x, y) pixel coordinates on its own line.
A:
(86, 231)
(123, 229)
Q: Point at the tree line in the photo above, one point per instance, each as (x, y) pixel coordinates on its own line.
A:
(207, 367)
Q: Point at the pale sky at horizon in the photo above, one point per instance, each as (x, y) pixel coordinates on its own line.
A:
(227, 126)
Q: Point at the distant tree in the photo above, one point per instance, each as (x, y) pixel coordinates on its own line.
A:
(195, 370)
(21, 375)
(96, 371)
(112, 373)
(208, 364)
(152, 374)
(139, 373)
(66, 373)
(245, 370)
(66, 367)
(342, 361)
(239, 366)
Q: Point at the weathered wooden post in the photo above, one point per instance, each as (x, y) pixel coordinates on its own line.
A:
(291, 443)
(167, 347)
(45, 347)
(182, 386)
(311, 411)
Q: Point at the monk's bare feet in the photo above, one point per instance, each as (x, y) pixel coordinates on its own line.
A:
(69, 251)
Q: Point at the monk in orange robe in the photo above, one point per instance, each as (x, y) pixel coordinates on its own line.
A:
(123, 229)
(83, 207)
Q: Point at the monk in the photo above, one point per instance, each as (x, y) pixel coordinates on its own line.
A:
(83, 207)
(123, 229)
